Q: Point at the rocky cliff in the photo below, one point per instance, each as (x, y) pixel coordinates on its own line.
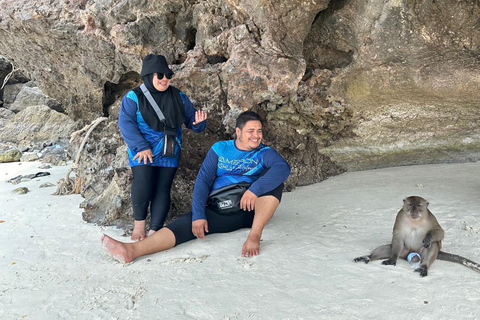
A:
(344, 85)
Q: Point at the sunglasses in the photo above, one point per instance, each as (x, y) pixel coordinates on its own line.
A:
(160, 75)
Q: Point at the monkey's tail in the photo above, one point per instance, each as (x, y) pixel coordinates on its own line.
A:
(445, 256)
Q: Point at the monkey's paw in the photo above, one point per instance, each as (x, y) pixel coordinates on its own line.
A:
(390, 262)
(422, 270)
(427, 242)
(365, 259)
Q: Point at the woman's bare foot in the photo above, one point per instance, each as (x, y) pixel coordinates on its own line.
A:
(150, 232)
(116, 249)
(138, 232)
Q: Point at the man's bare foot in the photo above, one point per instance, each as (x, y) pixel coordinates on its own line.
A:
(138, 232)
(116, 249)
(251, 247)
(150, 232)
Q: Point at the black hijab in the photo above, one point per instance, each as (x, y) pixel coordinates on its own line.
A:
(169, 101)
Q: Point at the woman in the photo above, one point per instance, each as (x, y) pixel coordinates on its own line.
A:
(144, 133)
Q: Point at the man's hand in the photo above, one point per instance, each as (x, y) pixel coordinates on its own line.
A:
(247, 202)
(144, 156)
(200, 116)
(199, 227)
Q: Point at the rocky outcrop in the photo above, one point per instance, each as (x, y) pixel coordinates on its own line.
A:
(344, 85)
(412, 80)
(31, 95)
(10, 155)
(32, 125)
(35, 125)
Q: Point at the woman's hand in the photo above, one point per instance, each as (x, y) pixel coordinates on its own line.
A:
(144, 156)
(200, 116)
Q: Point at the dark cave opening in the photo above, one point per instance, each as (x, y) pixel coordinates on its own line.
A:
(320, 48)
(189, 40)
(216, 59)
(113, 91)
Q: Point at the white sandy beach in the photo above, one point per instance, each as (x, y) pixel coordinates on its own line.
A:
(52, 265)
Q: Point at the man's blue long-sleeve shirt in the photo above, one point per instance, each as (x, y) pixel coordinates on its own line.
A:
(226, 165)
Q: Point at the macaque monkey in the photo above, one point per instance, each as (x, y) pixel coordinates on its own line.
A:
(416, 230)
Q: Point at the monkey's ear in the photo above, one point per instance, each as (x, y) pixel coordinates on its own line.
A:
(404, 200)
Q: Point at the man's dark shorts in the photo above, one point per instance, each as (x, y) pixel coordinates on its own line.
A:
(218, 223)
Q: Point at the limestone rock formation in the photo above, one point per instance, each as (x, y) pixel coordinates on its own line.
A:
(36, 125)
(10, 155)
(412, 79)
(346, 84)
(31, 95)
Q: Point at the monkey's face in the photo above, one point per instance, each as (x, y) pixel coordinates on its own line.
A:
(415, 207)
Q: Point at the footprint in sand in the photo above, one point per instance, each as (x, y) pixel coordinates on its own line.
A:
(188, 260)
(245, 264)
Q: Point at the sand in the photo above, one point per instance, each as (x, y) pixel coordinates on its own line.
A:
(52, 265)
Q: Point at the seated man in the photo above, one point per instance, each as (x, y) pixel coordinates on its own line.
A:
(244, 159)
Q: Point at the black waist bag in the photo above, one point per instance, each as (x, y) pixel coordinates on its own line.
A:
(226, 200)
